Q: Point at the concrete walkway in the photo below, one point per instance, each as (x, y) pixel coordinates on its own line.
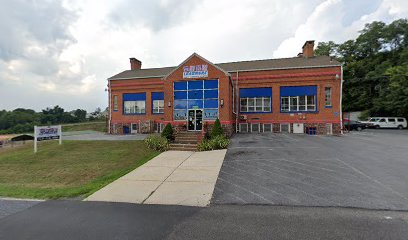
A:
(172, 178)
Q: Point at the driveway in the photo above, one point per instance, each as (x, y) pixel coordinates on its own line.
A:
(365, 170)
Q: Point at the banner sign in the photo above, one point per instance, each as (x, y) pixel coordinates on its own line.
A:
(197, 71)
(48, 133)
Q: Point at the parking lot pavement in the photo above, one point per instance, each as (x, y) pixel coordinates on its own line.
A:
(94, 135)
(11, 206)
(365, 170)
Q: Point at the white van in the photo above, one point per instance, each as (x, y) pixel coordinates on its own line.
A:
(387, 122)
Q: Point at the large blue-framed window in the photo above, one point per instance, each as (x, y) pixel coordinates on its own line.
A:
(134, 103)
(157, 102)
(298, 98)
(255, 100)
(196, 94)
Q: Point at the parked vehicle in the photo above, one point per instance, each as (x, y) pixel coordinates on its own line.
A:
(387, 122)
(354, 125)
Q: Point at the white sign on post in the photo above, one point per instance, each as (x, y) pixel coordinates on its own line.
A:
(47, 133)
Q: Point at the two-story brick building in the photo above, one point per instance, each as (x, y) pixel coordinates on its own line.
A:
(298, 95)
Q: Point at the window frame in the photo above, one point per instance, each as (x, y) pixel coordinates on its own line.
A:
(159, 109)
(254, 105)
(134, 113)
(288, 107)
(328, 97)
(115, 103)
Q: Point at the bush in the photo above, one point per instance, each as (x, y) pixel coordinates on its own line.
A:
(157, 143)
(168, 132)
(218, 142)
(217, 129)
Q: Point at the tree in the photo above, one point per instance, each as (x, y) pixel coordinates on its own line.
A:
(168, 132)
(80, 114)
(216, 129)
(370, 64)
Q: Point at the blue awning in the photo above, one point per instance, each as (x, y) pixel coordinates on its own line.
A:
(255, 92)
(134, 97)
(157, 95)
(298, 91)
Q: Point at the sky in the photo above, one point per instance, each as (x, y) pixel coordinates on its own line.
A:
(61, 52)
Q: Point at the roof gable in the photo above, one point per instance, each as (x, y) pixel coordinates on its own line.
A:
(191, 57)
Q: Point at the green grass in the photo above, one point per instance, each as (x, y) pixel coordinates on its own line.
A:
(75, 168)
(94, 126)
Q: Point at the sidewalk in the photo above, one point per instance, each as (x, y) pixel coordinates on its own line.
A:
(172, 178)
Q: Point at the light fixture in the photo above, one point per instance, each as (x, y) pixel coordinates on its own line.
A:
(169, 104)
(222, 102)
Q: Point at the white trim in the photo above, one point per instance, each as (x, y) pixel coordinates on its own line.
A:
(341, 100)
(259, 127)
(240, 129)
(263, 127)
(203, 59)
(233, 71)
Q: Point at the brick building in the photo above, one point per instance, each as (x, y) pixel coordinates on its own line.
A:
(297, 95)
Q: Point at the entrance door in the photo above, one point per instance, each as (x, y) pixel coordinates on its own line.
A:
(195, 120)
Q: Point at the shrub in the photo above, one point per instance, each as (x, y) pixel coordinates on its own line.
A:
(157, 143)
(168, 132)
(217, 129)
(218, 142)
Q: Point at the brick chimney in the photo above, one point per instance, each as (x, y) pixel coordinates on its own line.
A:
(308, 49)
(135, 64)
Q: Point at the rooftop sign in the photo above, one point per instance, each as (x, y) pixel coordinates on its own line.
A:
(197, 71)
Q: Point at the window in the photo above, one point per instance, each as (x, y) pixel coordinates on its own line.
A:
(134, 103)
(157, 102)
(328, 97)
(391, 120)
(382, 120)
(256, 104)
(115, 103)
(400, 120)
(196, 94)
(134, 107)
(255, 100)
(158, 106)
(298, 104)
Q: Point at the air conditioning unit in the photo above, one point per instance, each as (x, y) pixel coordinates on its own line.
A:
(243, 117)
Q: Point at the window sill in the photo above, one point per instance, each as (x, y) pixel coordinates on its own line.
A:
(132, 114)
(301, 112)
(255, 112)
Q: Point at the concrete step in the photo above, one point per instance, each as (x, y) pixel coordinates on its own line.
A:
(187, 138)
(183, 147)
(186, 141)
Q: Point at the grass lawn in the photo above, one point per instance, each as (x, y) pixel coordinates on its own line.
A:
(95, 126)
(75, 168)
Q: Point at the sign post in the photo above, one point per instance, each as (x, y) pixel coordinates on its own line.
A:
(47, 133)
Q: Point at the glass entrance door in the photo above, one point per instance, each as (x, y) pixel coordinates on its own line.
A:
(195, 120)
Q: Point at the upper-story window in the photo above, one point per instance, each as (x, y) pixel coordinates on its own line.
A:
(255, 100)
(298, 99)
(327, 96)
(115, 103)
(134, 103)
(157, 102)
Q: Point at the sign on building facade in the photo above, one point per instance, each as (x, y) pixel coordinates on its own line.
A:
(197, 71)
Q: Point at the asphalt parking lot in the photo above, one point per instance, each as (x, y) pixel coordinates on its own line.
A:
(367, 169)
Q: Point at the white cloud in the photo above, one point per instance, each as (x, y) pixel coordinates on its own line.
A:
(81, 43)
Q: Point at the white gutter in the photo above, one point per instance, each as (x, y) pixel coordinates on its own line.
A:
(341, 100)
(110, 107)
(232, 71)
(237, 103)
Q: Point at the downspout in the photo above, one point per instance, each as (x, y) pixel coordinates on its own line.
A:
(341, 99)
(110, 107)
(236, 103)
